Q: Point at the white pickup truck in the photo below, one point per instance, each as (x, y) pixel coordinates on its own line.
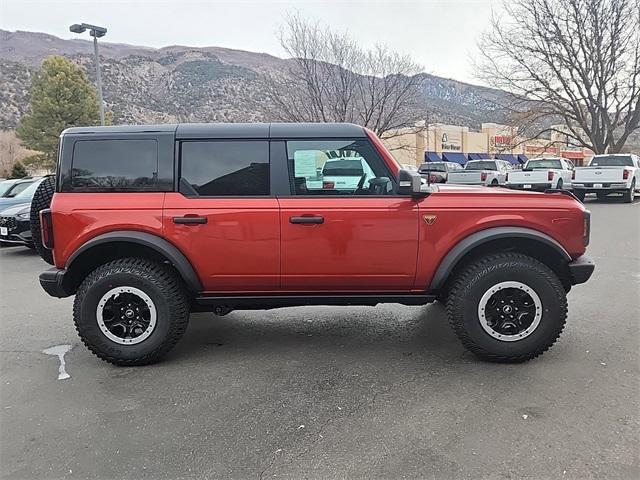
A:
(615, 173)
(541, 174)
(481, 172)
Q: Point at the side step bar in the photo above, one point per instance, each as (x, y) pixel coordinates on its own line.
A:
(265, 302)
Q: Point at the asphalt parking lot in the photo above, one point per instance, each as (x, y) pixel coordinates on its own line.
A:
(384, 392)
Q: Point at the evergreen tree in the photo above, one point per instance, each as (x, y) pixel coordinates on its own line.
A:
(18, 171)
(61, 97)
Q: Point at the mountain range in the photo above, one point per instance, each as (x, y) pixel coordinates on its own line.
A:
(209, 84)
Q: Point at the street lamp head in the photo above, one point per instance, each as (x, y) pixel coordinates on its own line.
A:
(94, 30)
(77, 28)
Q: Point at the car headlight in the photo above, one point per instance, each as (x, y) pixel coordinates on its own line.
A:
(24, 215)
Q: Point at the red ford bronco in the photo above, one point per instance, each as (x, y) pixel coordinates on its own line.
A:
(145, 224)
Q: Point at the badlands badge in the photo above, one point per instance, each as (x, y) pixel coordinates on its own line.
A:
(430, 219)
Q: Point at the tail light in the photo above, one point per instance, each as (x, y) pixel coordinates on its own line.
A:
(328, 185)
(573, 175)
(46, 228)
(549, 175)
(483, 176)
(625, 174)
(586, 227)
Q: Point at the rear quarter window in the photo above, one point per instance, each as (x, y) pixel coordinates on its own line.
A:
(114, 165)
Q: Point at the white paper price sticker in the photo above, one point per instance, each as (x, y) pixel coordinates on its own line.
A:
(304, 162)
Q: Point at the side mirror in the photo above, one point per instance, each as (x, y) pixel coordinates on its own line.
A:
(409, 183)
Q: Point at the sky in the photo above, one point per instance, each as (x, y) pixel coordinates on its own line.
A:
(440, 35)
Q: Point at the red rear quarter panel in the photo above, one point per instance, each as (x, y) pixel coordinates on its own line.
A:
(78, 217)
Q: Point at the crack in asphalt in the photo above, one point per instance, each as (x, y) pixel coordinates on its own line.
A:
(367, 403)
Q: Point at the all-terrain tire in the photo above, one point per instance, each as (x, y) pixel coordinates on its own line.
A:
(559, 185)
(41, 200)
(164, 288)
(579, 194)
(601, 195)
(629, 195)
(478, 279)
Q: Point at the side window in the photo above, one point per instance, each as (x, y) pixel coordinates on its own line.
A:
(224, 168)
(114, 165)
(337, 167)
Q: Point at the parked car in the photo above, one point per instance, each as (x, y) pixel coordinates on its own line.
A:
(147, 225)
(541, 174)
(438, 172)
(14, 225)
(24, 196)
(481, 172)
(345, 173)
(616, 173)
(10, 188)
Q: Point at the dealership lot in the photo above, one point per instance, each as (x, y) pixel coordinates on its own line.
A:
(314, 392)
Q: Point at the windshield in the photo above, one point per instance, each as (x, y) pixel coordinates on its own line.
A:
(543, 163)
(612, 161)
(343, 168)
(433, 167)
(30, 190)
(481, 165)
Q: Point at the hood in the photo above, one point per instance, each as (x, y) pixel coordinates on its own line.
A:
(10, 202)
(15, 210)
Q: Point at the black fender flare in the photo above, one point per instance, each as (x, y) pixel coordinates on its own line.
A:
(467, 244)
(160, 245)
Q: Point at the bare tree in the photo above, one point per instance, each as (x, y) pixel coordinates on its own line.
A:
(332, 79)
(577, 60)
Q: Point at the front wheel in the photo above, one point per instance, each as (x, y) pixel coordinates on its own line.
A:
(131, 311)
(507, 307)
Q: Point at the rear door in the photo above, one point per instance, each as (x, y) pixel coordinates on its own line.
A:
(224, 216)
(362, 238)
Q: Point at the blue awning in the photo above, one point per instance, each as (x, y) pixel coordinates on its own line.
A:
(523, 158)
(431, 157)
(478, 156)
(456, 157)
(508, 157)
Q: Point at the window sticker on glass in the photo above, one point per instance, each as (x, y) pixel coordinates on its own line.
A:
(305, 163)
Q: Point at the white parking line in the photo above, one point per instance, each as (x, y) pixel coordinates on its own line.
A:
(59, 351)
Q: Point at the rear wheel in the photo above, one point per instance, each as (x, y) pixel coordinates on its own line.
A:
(601, 195)
(131, 311)
(559, 185)
(579, 194)
(507, 307)
(41, 200)
(630, 194)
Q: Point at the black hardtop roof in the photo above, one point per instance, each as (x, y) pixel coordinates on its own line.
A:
(231, 130)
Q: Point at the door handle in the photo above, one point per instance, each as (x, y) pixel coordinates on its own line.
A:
(307, 220)
(189, 219)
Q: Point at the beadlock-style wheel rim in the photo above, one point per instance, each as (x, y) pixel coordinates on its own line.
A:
(510, 311)
(126, 315)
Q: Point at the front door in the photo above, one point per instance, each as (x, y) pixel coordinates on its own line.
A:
(343, 228)
(224, 217)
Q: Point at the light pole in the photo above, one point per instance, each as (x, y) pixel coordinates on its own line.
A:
(96, 32)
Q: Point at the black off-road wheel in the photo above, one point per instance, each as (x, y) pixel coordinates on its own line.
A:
(579, 194)
(131, 311)
(507, 307)
(41, 200)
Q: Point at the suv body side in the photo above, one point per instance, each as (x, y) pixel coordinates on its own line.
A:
(248, 245)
